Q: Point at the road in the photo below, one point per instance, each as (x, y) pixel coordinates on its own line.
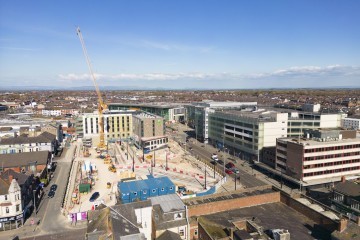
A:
(49, 210)
(204, 151)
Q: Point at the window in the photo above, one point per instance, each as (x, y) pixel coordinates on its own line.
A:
(195, 232)
(181, 232)
(18, 207)
(162, 189)
(6, 198)
(7, 210)
(153, 190)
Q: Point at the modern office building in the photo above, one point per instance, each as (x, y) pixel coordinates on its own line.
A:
(117, 125)
(322, 156)
(246, 133)
(170, 112)
(198, 114)
(149, 131)
(351, 123)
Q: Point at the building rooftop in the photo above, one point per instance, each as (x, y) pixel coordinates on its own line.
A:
(44, 137)
(151, 105)
(314, 142)
(348, 188)
(260, 115)
(144, 115)
(24, 158)
(168, 203)
(221, 196)
(268, 216)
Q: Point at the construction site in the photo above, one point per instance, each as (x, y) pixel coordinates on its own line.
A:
(101, 170)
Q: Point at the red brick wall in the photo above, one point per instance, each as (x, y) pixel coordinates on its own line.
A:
(220, 206)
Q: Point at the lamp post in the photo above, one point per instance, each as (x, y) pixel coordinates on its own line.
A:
(154, 157)
(235, 180)
(214, 168)
(127, 149)
(142, 144)
(205, 175)
(166, 159)
(133, 162)
(35, 208)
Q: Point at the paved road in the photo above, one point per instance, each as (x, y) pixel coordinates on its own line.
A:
(72, 235)
(51, 220)
(204, 151)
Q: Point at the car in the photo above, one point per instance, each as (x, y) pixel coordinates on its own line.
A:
(229, 165)
(53, 187)
(51, 194)
(94, 196)
(221, 162)
(213, 162)
(235, 170)
(228, 171)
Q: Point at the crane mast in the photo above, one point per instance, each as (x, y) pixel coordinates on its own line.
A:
(101, 105)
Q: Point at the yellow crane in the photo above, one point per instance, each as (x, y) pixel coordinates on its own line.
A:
(101, 104)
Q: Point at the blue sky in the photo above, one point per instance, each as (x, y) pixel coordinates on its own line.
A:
(181, 44)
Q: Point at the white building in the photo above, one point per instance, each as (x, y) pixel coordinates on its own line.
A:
(117, 124)
(11, 215)
(51, 112)
(351, 123)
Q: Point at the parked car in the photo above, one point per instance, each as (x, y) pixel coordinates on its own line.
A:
(229, 165)
(51, 194)
(221, 162)
(228, 171)
(94, 196)
(53, 187)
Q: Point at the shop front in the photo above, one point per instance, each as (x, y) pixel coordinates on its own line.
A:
(12, 222)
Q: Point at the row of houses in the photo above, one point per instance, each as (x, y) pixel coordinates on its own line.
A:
(25, 161)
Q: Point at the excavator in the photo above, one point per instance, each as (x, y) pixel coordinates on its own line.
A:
(101, 104)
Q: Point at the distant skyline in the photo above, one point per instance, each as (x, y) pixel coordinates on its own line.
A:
(181, 44)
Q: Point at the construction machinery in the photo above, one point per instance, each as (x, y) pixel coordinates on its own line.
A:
(101, 104)
(112, 168)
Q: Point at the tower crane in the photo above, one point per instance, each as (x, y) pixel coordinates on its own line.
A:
(101, 104)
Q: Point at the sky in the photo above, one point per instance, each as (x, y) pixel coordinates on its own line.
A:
(181, 44)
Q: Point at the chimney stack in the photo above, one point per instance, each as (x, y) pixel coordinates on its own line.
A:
(343, 179)
(10, 178)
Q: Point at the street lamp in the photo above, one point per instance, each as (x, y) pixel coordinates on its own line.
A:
(35, 208)
(235, 180)
(205, 175)
(214, 168)
(133, 161)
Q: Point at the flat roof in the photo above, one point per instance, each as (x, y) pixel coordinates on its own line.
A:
(168, 203)
(270, 216)
(262, 116)
(235, 194)
(312, 142)
(153, 105)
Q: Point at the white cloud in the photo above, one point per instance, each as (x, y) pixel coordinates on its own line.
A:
(293, 72)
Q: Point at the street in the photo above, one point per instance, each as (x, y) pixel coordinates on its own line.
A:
(49, 210)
